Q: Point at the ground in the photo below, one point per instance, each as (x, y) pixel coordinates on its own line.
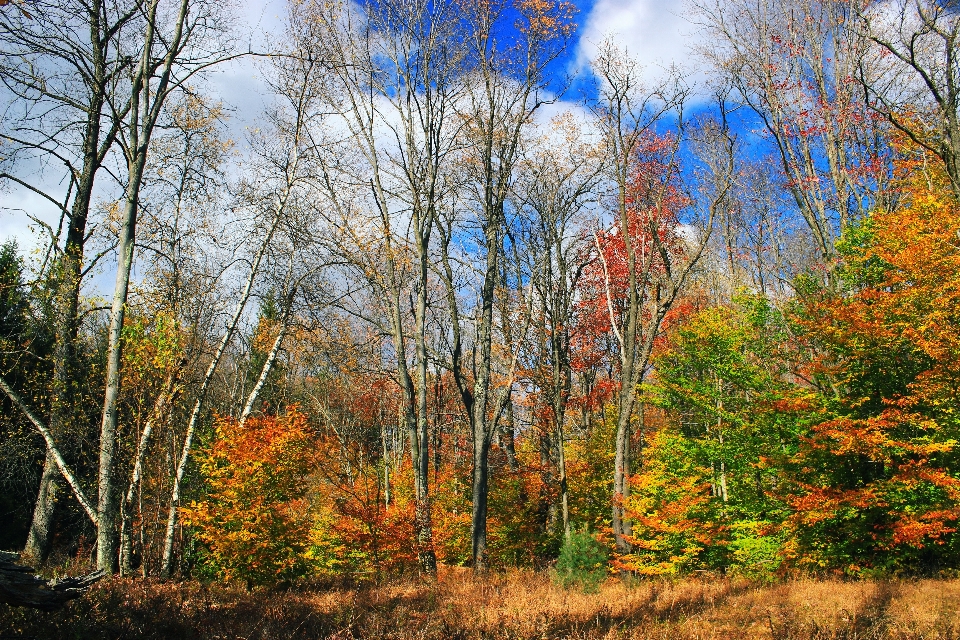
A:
(513, 605)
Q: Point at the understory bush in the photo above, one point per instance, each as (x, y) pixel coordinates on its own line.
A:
(582, 562)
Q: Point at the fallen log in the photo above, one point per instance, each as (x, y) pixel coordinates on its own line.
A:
(21, 587)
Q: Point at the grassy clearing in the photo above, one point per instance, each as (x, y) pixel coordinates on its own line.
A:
(510, 606)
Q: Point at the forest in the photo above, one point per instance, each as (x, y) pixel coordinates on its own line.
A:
(462, 307)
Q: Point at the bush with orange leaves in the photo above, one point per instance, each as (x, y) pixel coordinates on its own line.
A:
(355, 532)
(252, 521)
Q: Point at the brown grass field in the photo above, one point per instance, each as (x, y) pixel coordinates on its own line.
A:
(505, 606)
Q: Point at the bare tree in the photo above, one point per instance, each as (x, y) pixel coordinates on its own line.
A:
(179, 42)
(556, 185)
(914, 78)
(394, 86)
(508, 83)
(64, 66)
(758, 247)
(278, 175)
(184, 183)
(794, 64)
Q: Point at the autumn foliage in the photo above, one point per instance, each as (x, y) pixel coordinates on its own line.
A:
(418, 333)
(820, 435)
(252, 520)
(876, 480)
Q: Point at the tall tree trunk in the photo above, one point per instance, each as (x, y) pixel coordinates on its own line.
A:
(145, 106)
(107, 539)
(93, 81)
(66, 301)
(161, 409)
(478, 522)
(547, 509)
(480, 423)
(68, 279)
(621, 474)
(269, 362)
(424, 527)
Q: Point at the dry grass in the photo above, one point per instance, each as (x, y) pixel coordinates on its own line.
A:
(515, 605)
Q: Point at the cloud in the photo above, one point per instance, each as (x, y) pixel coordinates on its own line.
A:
(655, 32)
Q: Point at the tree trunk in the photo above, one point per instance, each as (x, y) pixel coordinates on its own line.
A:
(267, 366)
(564, 497)
(107, 540)
(547, 509)
(481, 390)
(621, 485)
(67, 282)
(20, 588)
(145, 105)
(508, 438)
(41, 528)
(52, 450)
(478, 529)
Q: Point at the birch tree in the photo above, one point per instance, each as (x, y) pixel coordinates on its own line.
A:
(64, 66)
(277, 179)
(179, 42)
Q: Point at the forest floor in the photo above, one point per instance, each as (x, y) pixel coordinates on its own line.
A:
(505, 606)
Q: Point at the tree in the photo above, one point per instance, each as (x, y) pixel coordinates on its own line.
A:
(175, 49)
(130, 97)
(65, 69)
(794, 64)
(187, 257)
(874, 487)
(707, 494)
(556, 183)
(913, 77)
(252, 518)
(395, 83)
(508, 82)
(643, 263)
(759, 247)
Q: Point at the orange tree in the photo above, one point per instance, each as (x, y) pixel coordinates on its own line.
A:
(876, 484)
(253, 520)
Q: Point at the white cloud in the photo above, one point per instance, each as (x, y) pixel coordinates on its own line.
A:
(655, 32)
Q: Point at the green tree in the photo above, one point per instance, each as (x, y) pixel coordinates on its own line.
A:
(24, 344)
(707, 493)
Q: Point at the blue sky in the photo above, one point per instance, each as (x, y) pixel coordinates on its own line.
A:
(654, 31)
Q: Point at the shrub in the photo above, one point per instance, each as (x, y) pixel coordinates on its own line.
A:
(755, 552)
(582, 562)
(253, 521)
